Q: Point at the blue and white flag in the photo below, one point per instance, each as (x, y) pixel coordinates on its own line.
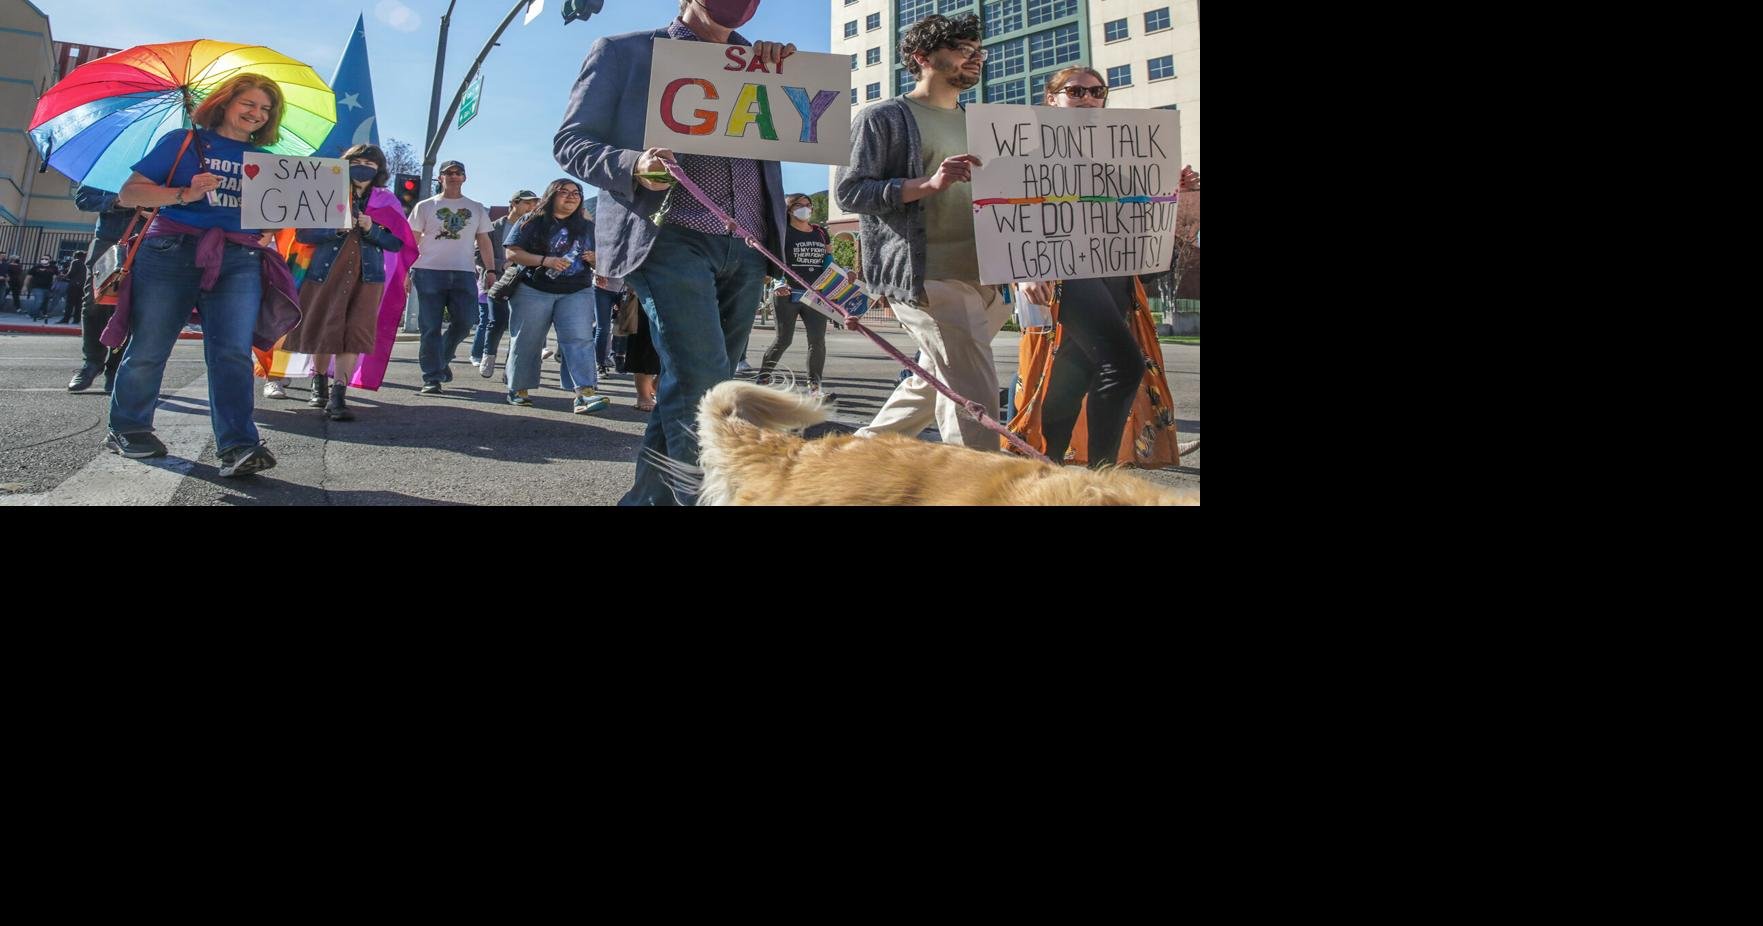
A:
(353, 85)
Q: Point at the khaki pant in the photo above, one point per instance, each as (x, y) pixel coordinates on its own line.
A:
(954, 330)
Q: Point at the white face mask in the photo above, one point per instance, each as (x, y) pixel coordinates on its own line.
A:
(802, 213)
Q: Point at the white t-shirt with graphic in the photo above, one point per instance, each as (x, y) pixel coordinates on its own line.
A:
(449, 230)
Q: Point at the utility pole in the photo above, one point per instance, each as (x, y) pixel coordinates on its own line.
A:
(428, 161)
(439, 133)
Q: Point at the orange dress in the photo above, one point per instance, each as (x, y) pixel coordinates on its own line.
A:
(1149, 440)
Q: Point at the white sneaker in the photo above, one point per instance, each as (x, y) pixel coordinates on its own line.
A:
(488, 367)
(743, 366)
(274, 390)
(547, 354)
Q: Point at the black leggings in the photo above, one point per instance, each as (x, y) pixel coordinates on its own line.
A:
(814, 322)
(1098, 359)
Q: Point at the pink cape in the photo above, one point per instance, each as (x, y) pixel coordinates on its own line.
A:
(383, 208)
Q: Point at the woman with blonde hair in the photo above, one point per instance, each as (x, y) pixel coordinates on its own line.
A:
(1100, 358)
(195, 254)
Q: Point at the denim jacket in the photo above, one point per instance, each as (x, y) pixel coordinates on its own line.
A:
(330, 242)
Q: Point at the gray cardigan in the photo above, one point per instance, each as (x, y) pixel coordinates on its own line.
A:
(885, 152)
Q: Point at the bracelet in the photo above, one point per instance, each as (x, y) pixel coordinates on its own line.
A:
(180, 196)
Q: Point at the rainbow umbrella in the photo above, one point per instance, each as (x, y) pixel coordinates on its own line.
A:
(106, 115)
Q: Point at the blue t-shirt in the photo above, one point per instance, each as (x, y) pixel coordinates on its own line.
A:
(209, 152)
(572, 280)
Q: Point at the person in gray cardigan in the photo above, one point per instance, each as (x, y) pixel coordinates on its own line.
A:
(907, 184)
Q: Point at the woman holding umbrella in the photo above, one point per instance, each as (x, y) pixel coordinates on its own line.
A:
(194, 253)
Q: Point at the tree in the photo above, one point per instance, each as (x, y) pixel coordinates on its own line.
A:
(819, 216)
(401, 157)
(845, 250)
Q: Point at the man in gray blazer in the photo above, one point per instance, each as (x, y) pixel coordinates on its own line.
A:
(697, 280)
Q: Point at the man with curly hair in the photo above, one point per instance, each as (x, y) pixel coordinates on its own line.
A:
(907, 183)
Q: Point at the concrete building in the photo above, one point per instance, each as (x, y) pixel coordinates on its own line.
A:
(30, 63)
(1149, 50)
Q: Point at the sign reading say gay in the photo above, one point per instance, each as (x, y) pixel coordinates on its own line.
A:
(280, 191)
(725, 100)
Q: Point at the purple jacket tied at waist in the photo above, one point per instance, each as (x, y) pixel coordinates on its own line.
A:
(280, 311)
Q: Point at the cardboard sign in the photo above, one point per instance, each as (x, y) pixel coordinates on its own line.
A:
(723, 100)
(1067, 194)
(281, 191)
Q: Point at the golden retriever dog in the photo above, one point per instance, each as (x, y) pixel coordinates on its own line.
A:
(748, 457)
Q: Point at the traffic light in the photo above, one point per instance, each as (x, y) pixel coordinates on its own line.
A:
(405, 188)
(580, 9)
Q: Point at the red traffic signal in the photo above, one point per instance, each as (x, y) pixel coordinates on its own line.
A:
(405, 187)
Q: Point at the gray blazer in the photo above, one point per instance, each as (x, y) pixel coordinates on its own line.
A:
(885, 153)
(602, 137)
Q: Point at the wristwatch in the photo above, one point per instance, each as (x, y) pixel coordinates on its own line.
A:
(181, 191)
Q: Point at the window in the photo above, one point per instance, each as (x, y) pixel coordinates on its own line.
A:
(873, 56)
(1054, 46)
(950, 6)
(873, 91)
(1045, 11)
(1157, 20)
(903, 81)
(970, 95)
(911, 11)
(850, 2)
(1004, 60)
(851, 29)
(853, 96)
(1120, 76)
(1115, 31)
(1037, 89)
(853, 61)
(1001, 16)
(872, 23)
(1161, 67)
(1006, 91)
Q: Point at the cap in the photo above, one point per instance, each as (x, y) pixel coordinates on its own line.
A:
(449, 165)
(524, 194)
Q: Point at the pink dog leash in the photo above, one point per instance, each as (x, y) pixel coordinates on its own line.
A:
(836, 313)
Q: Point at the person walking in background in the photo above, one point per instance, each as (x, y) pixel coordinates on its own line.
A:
(556, 245)
(805, 249)
(74, 286)
(41, 280)
(492, 318)
(112, 223)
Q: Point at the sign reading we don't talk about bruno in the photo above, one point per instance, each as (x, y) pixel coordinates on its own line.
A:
(724, 100)
(1068, 194)
(282, 191)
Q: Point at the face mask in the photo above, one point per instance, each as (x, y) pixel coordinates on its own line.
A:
(730, 14)
(361, 173)
(802, 213)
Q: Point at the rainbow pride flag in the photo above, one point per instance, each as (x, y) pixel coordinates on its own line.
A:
(836, 286)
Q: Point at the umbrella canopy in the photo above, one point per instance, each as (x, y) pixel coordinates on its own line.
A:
(108, 113)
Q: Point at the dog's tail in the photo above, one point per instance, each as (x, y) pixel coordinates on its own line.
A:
(766, 409)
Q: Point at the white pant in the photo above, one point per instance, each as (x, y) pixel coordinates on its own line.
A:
(954, 330)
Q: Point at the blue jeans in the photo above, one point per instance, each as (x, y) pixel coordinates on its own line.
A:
(604, 302)
(455, 293)
(698, 291)
(164, 284)
(530, 317)
(492, 320)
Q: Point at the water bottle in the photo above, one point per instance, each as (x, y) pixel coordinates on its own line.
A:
(575, 251)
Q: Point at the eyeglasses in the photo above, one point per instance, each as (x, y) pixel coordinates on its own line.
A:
(1077, 93)
(971, 52)
(570, 194)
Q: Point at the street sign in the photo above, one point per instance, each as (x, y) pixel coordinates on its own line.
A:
(468, 106)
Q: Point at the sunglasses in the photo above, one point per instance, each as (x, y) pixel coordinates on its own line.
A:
(1078, 93)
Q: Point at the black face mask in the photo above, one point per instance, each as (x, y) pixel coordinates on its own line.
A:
(361, 173)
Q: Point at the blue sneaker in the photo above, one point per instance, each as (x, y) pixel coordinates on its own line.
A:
(519, 397)
(587, 402)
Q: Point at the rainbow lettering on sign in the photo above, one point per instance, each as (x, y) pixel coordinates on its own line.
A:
(751, 107)
(979, 204)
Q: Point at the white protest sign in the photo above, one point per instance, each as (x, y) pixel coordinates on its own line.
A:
(282, 191)
(1066, 194)
(724, 100)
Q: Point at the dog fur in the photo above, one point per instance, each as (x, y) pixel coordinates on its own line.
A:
(748, 458)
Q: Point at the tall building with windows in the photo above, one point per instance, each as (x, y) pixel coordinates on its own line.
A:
(30, 63)
(1148, 50)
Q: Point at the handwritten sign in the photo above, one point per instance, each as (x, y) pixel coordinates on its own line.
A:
(280, 191)
(726, 101)
(1066, 194)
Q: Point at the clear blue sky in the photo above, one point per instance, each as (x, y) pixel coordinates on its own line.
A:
(527, 79)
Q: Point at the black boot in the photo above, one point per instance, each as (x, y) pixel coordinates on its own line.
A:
(82, 379)
(336, 410)
(320, 394)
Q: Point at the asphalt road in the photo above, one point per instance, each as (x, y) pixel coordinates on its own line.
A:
(466, 446)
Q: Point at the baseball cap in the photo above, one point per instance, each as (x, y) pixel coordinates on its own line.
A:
(449, 165)
(524, 194)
